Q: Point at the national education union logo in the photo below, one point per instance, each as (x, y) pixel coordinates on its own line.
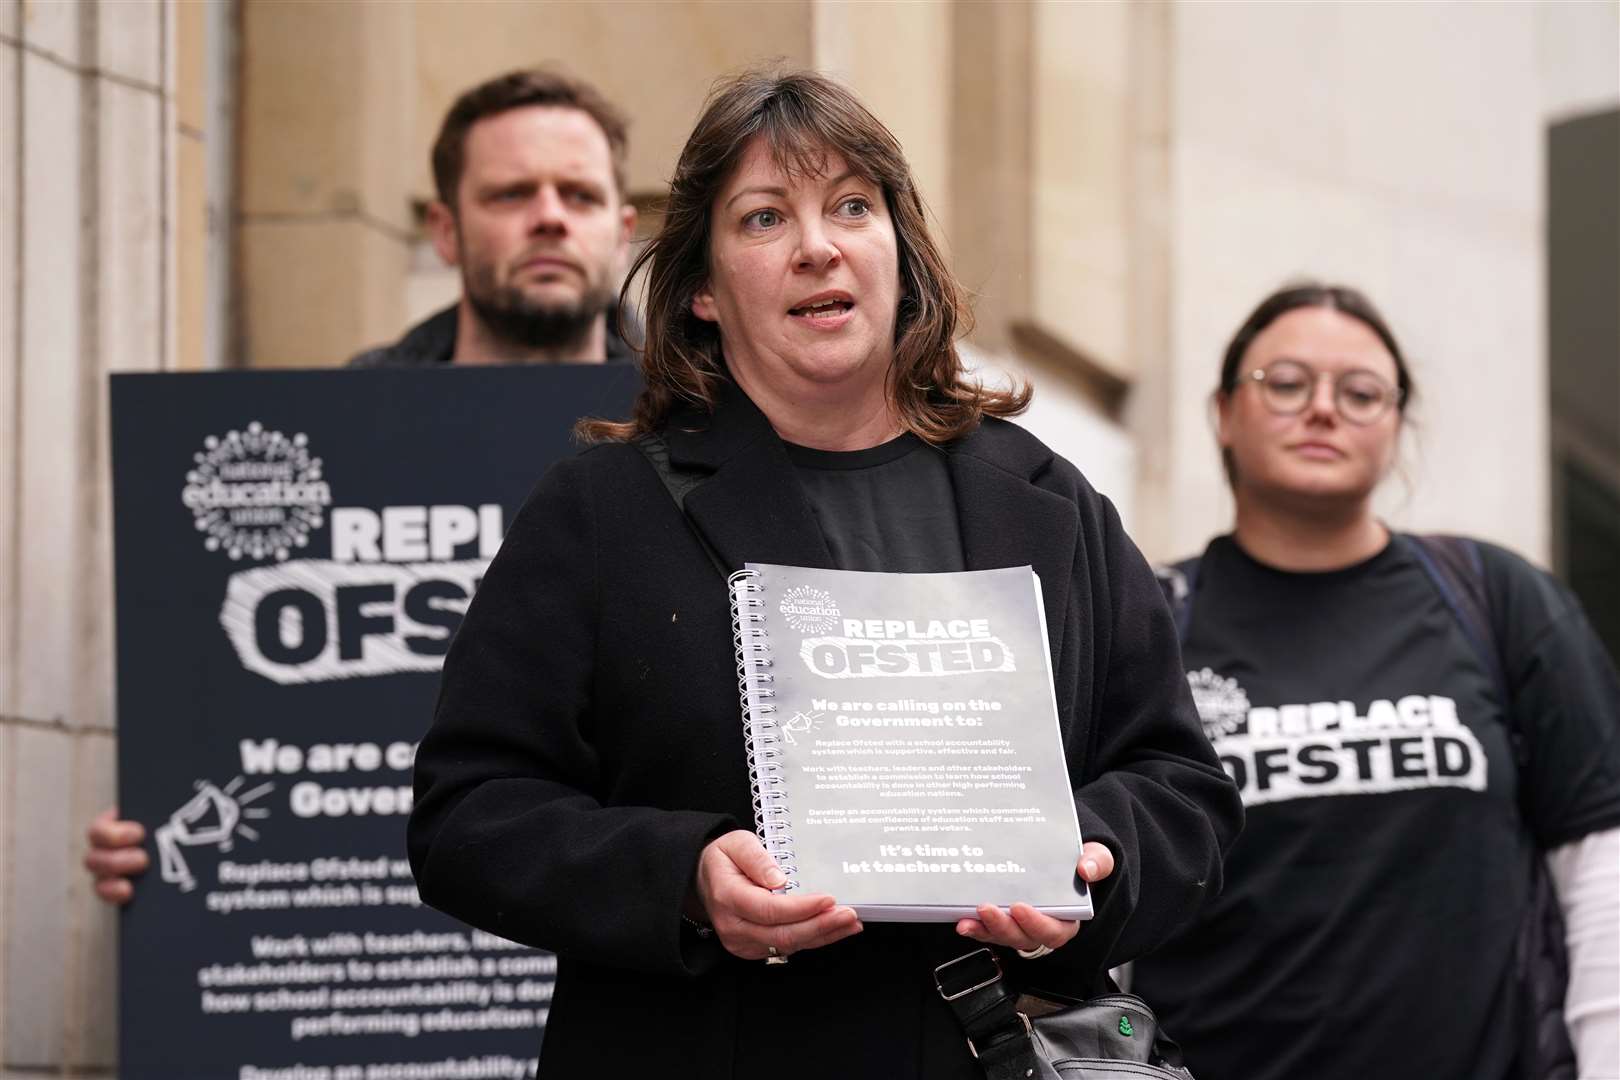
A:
(255, 492)
(1222, 704)
(809, 610)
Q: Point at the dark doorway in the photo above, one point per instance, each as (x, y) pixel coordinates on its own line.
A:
(1583, 326)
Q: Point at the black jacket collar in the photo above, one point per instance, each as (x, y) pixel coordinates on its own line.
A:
(432, 342)
(751, 509)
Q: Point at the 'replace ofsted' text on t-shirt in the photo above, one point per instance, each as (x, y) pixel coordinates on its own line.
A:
(1368, 920)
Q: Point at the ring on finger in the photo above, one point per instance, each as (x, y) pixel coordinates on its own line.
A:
(774, 956)
(1037, 952)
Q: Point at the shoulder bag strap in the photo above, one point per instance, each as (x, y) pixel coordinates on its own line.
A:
(1179, 581)
(679, 485)
(998, 1035)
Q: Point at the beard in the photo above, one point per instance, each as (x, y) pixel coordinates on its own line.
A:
(523, 322)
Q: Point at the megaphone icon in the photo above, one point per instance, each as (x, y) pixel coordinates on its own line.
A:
(210, 817)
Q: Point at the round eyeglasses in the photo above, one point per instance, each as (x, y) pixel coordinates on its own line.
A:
(1287, 386)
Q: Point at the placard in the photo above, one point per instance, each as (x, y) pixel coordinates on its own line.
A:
(293, 552)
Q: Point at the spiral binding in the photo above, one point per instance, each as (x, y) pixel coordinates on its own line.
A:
(761, 739)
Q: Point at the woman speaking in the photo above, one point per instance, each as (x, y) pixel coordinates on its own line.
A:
(584, 789)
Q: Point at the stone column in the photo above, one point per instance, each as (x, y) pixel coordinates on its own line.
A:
(990, 158)
(327, 155)
(897, 57)
(89, 123)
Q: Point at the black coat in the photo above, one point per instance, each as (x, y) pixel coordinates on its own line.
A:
(588, 744)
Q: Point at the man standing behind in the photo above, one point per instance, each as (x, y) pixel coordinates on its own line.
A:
(529, 169)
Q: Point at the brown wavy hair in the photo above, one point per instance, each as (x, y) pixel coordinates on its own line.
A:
(804, 118)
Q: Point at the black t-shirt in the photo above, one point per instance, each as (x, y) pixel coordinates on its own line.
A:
(1367, 925)
(888, 508)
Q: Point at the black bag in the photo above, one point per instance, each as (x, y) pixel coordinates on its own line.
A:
(1541, 957)
(1044, 1036)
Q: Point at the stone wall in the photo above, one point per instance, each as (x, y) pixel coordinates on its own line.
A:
(1399, 148)
(1118, 183)
(95, 130)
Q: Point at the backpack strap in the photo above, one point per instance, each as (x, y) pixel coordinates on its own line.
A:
(679, 484)
(1179, 581)
(1457, 570)
(1541, 955)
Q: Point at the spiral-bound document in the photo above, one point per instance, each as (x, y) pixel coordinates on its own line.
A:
(902, 739)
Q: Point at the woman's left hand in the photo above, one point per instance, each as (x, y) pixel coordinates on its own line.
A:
(1021, 926)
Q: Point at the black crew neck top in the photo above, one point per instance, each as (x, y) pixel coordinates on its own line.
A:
(1383, 865)
(888, 508)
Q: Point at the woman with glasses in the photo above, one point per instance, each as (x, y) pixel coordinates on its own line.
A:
(1405, 761)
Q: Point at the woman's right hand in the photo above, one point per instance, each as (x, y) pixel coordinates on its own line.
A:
(735, 877)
